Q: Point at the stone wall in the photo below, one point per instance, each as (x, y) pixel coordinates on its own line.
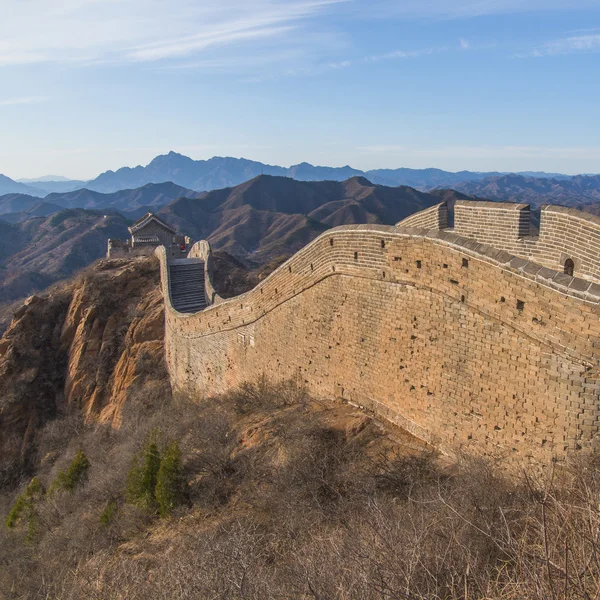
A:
(569, 233)
(461, 344)
(498, 224)
(117, 249)
(435, 217)
(564, 233)
(203, 251)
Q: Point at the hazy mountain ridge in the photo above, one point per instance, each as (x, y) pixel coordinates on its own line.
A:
(257, 222)
(580, 190)
(15, 207)
(8, 186)
(220, 172)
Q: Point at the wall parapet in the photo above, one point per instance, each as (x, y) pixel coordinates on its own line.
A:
(434, 217)
(565, 234)
(202, 250)
(460, 343)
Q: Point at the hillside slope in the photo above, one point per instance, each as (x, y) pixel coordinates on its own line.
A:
(270, 216)
(76, 348)
(40, 251)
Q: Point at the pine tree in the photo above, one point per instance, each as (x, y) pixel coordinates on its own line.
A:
(142, 477)
(170, 484)
(75, 474)
(24, 506)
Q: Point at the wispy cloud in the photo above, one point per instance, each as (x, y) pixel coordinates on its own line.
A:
(320, 68)
(109, 31)
(23, 100)
(570, 45)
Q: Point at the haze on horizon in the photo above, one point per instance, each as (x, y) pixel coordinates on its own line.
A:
(91, 85)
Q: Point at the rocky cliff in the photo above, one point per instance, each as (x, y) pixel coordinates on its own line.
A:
(89, 346)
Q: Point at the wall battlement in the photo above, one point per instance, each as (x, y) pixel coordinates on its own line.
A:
(465, 345)
(564, 233)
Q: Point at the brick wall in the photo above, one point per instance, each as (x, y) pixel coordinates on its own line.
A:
(569, 233)
(435, 217)
(462, 344)
(564, 233)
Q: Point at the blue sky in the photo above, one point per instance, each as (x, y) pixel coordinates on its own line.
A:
(91, 85)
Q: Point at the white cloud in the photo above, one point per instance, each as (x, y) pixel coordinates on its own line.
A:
(83, 31)
(464, 44)
(570, 45)
(22, 100)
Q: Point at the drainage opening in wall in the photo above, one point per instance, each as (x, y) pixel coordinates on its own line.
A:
(465, 263)
(520, 305)
(356, 256)
(419, 264)
(569, 267)
(383, 243)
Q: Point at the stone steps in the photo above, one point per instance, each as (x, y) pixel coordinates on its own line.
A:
(186, 282)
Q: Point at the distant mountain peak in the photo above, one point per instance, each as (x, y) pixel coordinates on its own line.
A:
(221, 172)
(360, 180)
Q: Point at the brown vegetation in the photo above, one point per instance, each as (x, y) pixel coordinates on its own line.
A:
(292, 498)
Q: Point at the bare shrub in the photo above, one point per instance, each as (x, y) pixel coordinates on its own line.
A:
(289, 498)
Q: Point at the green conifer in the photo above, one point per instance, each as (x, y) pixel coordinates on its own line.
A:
(170, 485)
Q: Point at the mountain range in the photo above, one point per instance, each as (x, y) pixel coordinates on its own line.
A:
(256, 222)
(132, 203)
(263, 219)
(580, 190)
(268, 216)
(221, 172)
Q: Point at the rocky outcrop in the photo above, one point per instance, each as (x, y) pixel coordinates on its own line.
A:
(90, 346)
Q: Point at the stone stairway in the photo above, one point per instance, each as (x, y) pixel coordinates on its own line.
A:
(186, 282)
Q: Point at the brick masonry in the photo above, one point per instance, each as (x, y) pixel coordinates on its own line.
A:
(464, 345)
(564, 233)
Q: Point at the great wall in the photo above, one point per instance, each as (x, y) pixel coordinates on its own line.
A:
(474, 337)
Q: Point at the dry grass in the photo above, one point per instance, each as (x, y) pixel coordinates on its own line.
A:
(289, 498)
